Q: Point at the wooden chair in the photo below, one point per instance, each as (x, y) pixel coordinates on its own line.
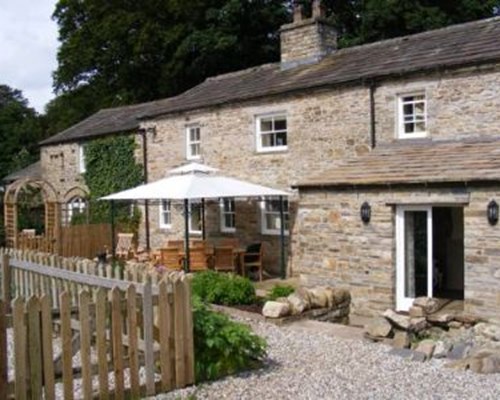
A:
(253, 259)
(170, 257)
(198, 259)
(224, 259)
(124, 246)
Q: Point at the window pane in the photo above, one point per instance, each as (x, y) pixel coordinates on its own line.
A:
(420, 108)
(268, 140)
(280, 124)
(408, 109)
(266, 125)
(420, 127)
(281, 139)
(195, 217)
(409, 128)
(195, 149)
(272, 221)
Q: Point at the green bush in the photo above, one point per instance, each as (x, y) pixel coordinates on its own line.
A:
(223, 347)
(280, 291)
(222, 288)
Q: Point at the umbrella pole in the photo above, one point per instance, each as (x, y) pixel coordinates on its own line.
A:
(203, 234)
(113, 243)
(282, 239)
(186, 236)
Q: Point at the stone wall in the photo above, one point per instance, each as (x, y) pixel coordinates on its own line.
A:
(459, 103)
(332, 246)
(60, 167)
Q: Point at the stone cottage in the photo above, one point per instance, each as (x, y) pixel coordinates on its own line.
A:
(409, 126)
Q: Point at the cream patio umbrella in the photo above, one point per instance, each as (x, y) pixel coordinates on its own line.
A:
(199, 182)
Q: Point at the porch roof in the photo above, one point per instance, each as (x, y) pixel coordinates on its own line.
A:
(415, 162)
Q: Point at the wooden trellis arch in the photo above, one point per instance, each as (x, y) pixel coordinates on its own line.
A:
(52, 210)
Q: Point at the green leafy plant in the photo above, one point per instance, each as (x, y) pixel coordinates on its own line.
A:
(223, 288)
(111, 167)
(223, 347)
(280, 291)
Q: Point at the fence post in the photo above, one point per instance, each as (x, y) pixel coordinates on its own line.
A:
(6, 281)
(147, 310)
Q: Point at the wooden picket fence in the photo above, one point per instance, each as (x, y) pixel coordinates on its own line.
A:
(117, 327)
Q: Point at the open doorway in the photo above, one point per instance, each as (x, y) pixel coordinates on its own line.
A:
(430, 253)
(448, 257)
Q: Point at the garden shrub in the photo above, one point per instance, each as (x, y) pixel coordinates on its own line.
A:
(280, 291)
(222, 346)
(223, 288)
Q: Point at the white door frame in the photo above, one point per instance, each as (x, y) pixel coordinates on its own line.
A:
(404, 303)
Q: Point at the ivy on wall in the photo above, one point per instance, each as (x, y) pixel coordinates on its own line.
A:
(111, 167)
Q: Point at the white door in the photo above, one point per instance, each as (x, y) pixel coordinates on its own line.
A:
(413, 254)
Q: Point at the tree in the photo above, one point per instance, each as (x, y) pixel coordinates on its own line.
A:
(122, 52)
(364, 21)
(20, 131)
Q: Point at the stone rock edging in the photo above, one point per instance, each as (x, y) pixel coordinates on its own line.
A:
(321, 303)
(467, 341)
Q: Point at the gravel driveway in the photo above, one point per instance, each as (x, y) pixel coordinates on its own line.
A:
(312, 364)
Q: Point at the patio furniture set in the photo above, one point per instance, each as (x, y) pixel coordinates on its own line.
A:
(225, 255)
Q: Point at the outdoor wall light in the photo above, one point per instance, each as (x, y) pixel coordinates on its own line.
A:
(492, 212)
(366, 212)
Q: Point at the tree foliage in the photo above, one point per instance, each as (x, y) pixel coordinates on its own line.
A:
(20, 131)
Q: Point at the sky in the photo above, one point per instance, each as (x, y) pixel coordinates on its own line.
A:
(28, 48)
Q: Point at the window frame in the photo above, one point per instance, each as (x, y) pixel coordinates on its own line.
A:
(81, 206)
(264, 212)
(401, 134)
(224, 212)
(82, 167)
(259, 134)
(163, 211)
(189, 142)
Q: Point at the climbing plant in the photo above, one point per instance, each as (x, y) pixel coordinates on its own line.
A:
(111, 167)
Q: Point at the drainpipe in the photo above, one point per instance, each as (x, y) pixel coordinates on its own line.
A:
(144, 133)
(373, 138)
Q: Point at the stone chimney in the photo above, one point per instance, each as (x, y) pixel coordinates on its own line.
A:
(307, 40)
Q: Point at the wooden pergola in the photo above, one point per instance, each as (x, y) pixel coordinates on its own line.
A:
(52, 211)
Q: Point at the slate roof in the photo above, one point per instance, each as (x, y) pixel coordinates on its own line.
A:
(454, 46)
(33, 171)
(417, 162)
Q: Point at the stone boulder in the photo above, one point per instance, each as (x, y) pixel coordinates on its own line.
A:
(274, 309)
(299, 302)
(487, 330)
(398, 320)
(429, 304)
(318, 297)
(426, 347)
(442, 349)
(378, 328)
(417, 324)
(485, 361)
(401, 340)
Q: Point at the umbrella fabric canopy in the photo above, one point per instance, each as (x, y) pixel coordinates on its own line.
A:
(195, 186)
(197, 181)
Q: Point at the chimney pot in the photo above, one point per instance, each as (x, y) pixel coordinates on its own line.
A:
(298, 13)
(318, 9)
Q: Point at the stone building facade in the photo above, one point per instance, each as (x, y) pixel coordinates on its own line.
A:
(325, 108)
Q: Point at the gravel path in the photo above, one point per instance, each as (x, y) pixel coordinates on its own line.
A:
(305, 364)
